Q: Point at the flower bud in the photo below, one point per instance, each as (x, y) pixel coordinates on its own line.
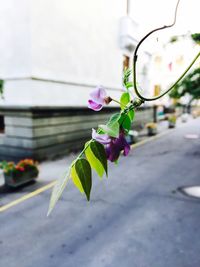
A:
(107, 100)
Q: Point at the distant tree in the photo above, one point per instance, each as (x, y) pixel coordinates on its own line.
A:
(196, 37)
(189, 85)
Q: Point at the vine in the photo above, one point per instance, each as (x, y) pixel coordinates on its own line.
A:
(108, 141)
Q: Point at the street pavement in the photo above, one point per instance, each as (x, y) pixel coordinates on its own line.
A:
(136, 217)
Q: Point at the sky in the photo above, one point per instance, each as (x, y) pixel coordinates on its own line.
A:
(153, 13)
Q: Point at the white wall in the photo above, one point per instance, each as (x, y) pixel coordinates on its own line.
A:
(76, 42)
(14, 38)
(44, 93)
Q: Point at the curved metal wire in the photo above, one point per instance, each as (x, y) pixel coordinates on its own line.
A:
(135, 60)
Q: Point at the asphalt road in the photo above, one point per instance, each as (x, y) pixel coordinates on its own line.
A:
(136, 217)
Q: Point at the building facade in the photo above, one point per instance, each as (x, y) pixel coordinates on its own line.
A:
(53, 53)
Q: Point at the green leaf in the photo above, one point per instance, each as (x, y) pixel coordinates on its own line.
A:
(76, 180)
(131, 114)
(58, 189)
(112, 127)
(116, 161)
(84, 174)
(3, 164)
(125, 122)
(113, 119)
(127, 73)
(94, 162)
(128, 85)
(111, 130)
(125, 99)
(98, 151)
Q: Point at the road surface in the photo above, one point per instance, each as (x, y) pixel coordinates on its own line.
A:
(136, 217)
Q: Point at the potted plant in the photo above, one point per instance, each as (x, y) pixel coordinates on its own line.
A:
(132, 137)
(18, 174)
(184, 117)
(196, 38)
(151, 128)
(172, 121)
(196, 113)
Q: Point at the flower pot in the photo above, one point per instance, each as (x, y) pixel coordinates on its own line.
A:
(171, 124)
(184, 117)
(151, 131)
(132, 137)
(15, 179)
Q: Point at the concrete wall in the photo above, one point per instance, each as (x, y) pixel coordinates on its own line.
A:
(46, 132)
(43, 132)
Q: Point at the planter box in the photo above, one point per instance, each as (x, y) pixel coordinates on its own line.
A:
(17, 179)
(184, 117)
(171, 125)
(132, 137)
(151, 131)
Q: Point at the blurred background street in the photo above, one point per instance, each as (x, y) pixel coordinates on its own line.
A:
(53, 54)
(136, 217)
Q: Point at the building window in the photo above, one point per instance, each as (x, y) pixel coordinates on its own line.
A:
(157, 90)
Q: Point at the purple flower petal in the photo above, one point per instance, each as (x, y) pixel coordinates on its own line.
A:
(98, 95)
(94, 106)
(126, 149)
(101, 138)
(112, 152)
(116, 146)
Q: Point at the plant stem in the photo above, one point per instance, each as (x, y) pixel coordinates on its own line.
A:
(135, 61)
(116, 101)
(133, 104)
(169, 89)
(82, 152)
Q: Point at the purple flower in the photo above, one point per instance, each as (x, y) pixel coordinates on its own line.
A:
(101, 138)
(116, 146)
(97, 99)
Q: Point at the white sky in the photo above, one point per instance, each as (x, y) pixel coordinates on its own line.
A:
(156, 13)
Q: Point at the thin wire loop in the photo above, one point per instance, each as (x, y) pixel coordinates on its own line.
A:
(135, 60)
